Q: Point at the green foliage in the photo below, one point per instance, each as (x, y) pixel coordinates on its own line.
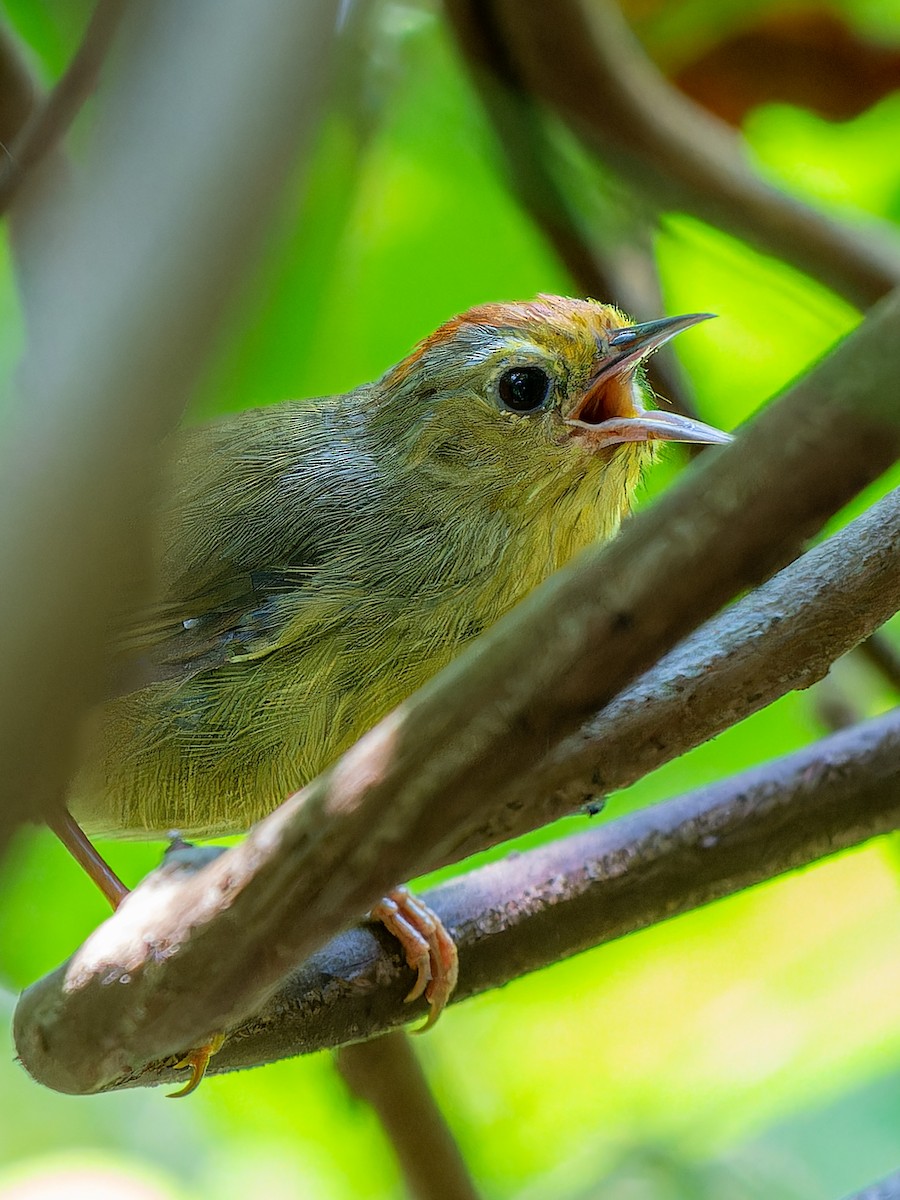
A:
(749, 1050)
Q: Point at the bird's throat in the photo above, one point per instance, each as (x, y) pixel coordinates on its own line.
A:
(611, 396)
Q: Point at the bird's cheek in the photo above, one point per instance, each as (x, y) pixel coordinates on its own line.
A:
(557, 432)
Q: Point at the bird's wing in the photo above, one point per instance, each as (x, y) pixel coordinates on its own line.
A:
(175, 641)
(237, 541)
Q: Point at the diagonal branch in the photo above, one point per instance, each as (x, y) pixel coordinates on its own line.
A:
(387, 1075)
(415, 786)
(885, 657)
(780, 638)
(50, 120)
(18, 91)
(603, 265)
(612, 259)
(20, 96)
(582, 60)
(536, 908)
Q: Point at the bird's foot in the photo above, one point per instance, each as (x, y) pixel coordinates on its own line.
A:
(197, 1060)
(427, 946)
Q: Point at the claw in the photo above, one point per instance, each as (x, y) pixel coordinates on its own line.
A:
(198, 1061)
(427, 947)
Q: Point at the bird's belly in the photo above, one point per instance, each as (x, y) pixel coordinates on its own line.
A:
(213, 754)
(210, 756)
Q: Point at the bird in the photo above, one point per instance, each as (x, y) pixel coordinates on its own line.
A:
(318, 560)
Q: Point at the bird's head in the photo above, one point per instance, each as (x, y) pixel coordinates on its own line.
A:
(565, 372)
(538, 400)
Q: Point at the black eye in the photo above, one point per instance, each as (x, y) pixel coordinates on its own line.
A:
(524, 389)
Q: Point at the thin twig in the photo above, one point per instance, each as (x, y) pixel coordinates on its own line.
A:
(20, 95)
(833, 708)
(882, 654)
(536, 908)
(387, 1075)
(581, 58)
(51, 118)
(19, 91)
(416, 785)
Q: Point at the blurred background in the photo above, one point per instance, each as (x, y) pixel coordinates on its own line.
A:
(751, 1049)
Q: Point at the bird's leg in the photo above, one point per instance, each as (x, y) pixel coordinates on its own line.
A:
(427, 946)
(82, 850)
(80, 847)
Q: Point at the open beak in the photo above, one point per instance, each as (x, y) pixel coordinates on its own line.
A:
(611, 412)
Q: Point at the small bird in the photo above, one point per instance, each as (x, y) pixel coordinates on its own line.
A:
(318, 560)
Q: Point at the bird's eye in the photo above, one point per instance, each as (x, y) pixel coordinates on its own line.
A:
(524, 389)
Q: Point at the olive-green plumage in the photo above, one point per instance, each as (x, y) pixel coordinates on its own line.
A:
(319, 560)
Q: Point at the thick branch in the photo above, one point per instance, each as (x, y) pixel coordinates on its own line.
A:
(415, 786)
(147, 257)
(386, 1074)
(533, 909)
(780, 638)
(582, 60)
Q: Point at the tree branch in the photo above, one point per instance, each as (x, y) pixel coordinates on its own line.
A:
(18, 91)
(885, 657)
(614, 262)
(49, 121)
(386, 1074)
(143, 258)
(780, 638)
(583, 61)
(536, 908)
(20, 95)
(414, 787)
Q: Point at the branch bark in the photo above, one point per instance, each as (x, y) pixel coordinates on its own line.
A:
(536, 908)
(782, 637)
(582, 60)
(414, 787)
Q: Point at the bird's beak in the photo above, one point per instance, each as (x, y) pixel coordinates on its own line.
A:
(611, 412)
